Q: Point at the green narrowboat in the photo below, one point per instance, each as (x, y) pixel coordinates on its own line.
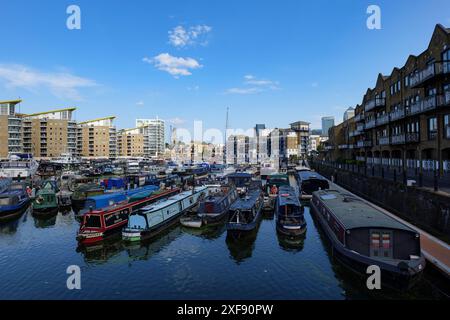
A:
(46, 199)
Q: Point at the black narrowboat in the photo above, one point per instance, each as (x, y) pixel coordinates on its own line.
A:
(362, 235)
(245, 213)
(310, 181)
(289, 213)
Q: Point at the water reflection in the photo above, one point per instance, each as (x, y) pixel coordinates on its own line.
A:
(45, 222)
(241, 245)
(291, 244)
(208, 232)
(111, 250)
(10, 227)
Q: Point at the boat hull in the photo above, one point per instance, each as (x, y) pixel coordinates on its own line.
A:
(11, 212)
(390, 275)
(292, 231)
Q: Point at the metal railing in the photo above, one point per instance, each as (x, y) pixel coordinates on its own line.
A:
(370, 124)
(382, 120)
(397, 114)
(398, 139)
(383, 141)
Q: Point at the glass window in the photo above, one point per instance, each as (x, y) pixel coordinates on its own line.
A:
(432, 128)
(446, 59)
(447, 126)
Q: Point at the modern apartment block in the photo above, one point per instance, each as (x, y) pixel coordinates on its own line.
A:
(153, 131)
(49, 134)
(303, 133)
(130, 143)
(404, 121)
(10, 128)
(97, 138)
(238, 149)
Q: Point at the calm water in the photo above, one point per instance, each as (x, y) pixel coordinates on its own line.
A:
(181, 264)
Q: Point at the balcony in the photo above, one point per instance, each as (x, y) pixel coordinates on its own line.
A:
(374, 103)
(360, 159)
(382, 120)
(329, 147)
(343, 146)
(363, 144)
(447, 97)
(398, 139)
(395, 162)
(412, 137)
(359, 117)
(355, 133)
(370, 124)
(429, 73)
(426, 104)
(397, 114)
(383, 141)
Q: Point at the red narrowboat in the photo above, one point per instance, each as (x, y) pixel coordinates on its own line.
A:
(99, 224)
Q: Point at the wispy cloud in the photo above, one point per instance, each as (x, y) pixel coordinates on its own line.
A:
(254, 85)
(193, 88)
(180, 37)
(140, 103)
(176, 66)
(176, 121)
(61, 84)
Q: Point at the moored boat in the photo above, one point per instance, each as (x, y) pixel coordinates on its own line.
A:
(99, 224)
(46, 200)
(245, 213)
(13, 201)
(309, 182)
(289, 213)
(212, 210)
(362, 235)
(83, 192)
(111, 198)
(151, 220)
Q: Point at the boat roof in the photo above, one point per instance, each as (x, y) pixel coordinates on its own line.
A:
(171, 200)
(247, 202)
(305, 175)
(239, 175)
(287, 196)
(355, 213)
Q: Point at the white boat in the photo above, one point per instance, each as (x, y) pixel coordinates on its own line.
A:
(18, 166)
(67, 159)
(151, 220)
(267, 169)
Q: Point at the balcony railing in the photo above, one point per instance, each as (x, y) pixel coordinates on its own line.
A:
(428, 73)
(382, 120)
(383, 141)
(360, 159)
(397, 114)
(370, 124)
(363, 143)
(428, 103)
(412, 163)
(379, 102)
(430, 165)
(446, 165)
(398, 139)
(360, 127)
(343, 146)
(359, 117)
(385, 161)
(447, 97)
(395, 162)
(412, 137)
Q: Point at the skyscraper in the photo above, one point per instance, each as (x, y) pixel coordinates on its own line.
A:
(154, 136)
(327, 123)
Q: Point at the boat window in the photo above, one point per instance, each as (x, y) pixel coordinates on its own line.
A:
(381, 244)
(4, 201)
(93, 221)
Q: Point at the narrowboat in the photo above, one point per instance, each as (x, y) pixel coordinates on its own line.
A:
(13, 201)
(289, 213)
(46, 200)
(83, 192)
(309, 181)
(113, 184)
(213, 210)
(151, 220)
(245, 213)
(362, 235)
(97, 225)
(111, 198)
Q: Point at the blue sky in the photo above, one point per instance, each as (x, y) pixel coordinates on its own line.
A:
(271, 62)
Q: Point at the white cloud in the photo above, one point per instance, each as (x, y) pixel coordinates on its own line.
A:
(180, 37)
(253, 85)
(176, 66)
(194, 88)
(243, 90)
(60, 84)
(140, 103)
(176, 121)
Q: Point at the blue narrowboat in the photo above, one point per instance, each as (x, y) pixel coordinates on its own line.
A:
(245, 213)
(13, 201)
(309, 182)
